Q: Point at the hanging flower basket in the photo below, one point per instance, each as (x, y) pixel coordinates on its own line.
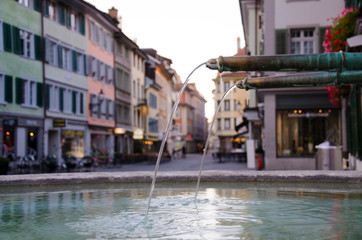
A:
(336, 36)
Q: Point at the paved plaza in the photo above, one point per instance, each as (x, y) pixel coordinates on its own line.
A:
(190, 163)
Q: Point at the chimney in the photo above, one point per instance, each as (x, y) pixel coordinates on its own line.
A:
(120, 22)
(113, 12)
(238, 43)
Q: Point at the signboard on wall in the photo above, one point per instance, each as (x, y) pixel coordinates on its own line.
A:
(59, 122)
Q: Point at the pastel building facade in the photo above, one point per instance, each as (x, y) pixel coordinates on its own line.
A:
(101, 82)
(21, 79)
(65, 78)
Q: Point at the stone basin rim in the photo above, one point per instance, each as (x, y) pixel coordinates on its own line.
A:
(348, 177)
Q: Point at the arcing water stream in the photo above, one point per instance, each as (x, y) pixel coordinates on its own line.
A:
(209, 134)
(165, 135)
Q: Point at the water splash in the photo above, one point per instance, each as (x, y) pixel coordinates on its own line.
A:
(167, 131)
(208, 137)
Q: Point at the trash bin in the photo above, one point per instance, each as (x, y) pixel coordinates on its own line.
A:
(329, 157)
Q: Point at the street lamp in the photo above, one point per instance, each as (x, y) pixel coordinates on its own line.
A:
(100, 100)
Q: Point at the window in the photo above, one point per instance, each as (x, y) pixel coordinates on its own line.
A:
(110, 75)
(300, 130)
(102, 72)
(218, 124)
(226, 86)
(53, 53)
(26, 43)
(227, 123)
(153, 125)
(53, 98)
(80, 63)
(227, 105)
(51, 11)
(153, 101)
(93, 67)
(25, 3)
(110, 109)
(26, 93)
(302, 41)
(74, 22)
(134, 88)
(66, 57)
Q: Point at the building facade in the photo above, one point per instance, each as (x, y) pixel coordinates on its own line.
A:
(295, 119)
(21, 79)
(231, 110)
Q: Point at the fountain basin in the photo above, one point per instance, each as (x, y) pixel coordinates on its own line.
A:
(182, 176)
(230, 205)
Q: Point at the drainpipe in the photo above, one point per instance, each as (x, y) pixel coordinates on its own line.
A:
(43, 73)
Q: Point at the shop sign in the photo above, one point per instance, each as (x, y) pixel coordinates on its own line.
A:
(58, 122)
(308, 115)
(9, 122)
(138, 134)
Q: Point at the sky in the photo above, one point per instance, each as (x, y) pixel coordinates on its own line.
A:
(189, 32)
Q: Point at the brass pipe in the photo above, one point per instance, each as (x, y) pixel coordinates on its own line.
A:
(331, 62)
(302, 80)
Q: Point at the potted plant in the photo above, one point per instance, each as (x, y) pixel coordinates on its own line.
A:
(4, 165)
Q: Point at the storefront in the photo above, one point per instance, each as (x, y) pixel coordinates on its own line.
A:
(65, 137)
(294, 123)
(101, 141)
(123, 140)
(21, 137)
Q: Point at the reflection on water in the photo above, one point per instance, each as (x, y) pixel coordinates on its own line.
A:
(239, 211)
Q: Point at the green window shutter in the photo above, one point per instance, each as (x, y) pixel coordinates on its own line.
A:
(61, 99)
(61, 10)
(81, 108)
(48, 95)
(74, 61)
(7, 37)
(8, 89)
(60, 56)
(46, 8)
(37, 5)
(81, 24)
(85, 62)
(322, 32)
(38, 47)
(74, 102)
(39, 94)
(19, 90)
(17, 49)
(281, 41)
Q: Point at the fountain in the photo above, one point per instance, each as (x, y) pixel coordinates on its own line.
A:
(333, 69)
(246, 205)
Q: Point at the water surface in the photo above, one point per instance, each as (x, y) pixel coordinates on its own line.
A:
(222, 211)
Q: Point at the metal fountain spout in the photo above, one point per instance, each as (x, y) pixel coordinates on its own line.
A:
(326, 69)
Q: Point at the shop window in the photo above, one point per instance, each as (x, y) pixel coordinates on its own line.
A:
(300, 130)
(73, 143)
